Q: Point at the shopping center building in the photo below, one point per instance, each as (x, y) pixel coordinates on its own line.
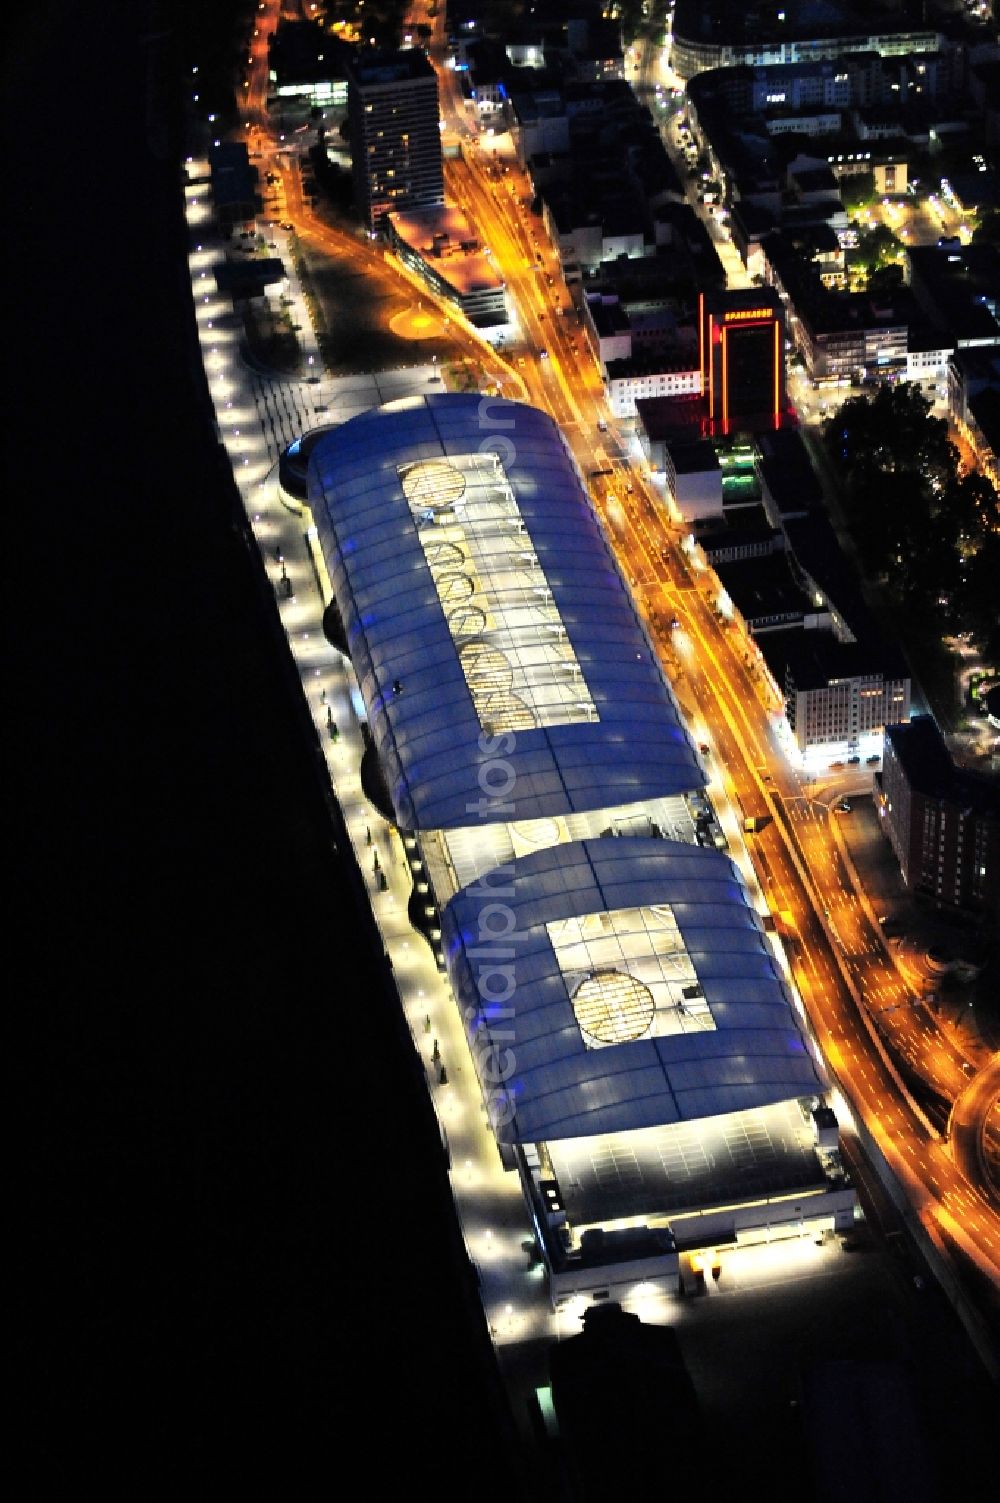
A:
(644, 1062)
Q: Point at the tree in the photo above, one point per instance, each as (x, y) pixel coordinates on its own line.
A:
(977, 597)
(878, 246)
(885, 278)
(857, 192)
(892, 430)
(930, 576)
(974, 508)
(932, 533)
(987, 231)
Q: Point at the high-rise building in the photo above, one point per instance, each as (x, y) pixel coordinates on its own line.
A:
(392, 106)
(742, 353)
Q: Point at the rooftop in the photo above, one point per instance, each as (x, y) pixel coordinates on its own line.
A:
(697, 457)
(919, 748)
(444, 238)
(813, 659)
(672, 418)
(720, 22)
(234, 178)
(813, 180)
(788, 471)
(816, 549)
(608, 318)
(369, 68)
(646, 991)
(481, 600)
(754, 220)
(250, 278)
(960, 283)
(685, 1166)
(530, 105)
(655, 360)
(302, 52)
(763, 589)
(984, 407)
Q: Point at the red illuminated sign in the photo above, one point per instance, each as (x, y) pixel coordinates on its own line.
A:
(741, 315)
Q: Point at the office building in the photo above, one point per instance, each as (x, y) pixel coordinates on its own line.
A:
(306, 63)
(694, 479)
(942, 821)
(715, 34)
(839, 696)
(742, 355)
(667, 371)
(440, 245)
(392, 108)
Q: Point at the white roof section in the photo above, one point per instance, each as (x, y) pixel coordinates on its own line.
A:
(480, 600)
(445, 239)
(541, 1075)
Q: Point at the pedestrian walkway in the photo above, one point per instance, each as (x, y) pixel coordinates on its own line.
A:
(258, 416)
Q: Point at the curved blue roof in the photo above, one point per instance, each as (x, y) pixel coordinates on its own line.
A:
(529, 632)
(541, 1077)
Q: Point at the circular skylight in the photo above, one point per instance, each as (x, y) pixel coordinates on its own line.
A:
(612, 1007)
(432, 485)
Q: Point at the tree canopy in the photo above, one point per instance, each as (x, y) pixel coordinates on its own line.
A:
(987, 231)
(930, 531)
(877, 247)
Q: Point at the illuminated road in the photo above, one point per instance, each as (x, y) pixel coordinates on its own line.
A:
(854, 996)
(975, 1128)
(903, 1018)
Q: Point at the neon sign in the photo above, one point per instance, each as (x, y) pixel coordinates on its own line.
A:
(741, 315)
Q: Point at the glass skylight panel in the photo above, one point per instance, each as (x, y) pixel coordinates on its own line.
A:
(513, 647)
(629, 975)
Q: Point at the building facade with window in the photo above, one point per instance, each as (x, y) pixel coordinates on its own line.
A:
(839, 695)
(440, 246)
(392, 107)
(942, 822)
(742, 359)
